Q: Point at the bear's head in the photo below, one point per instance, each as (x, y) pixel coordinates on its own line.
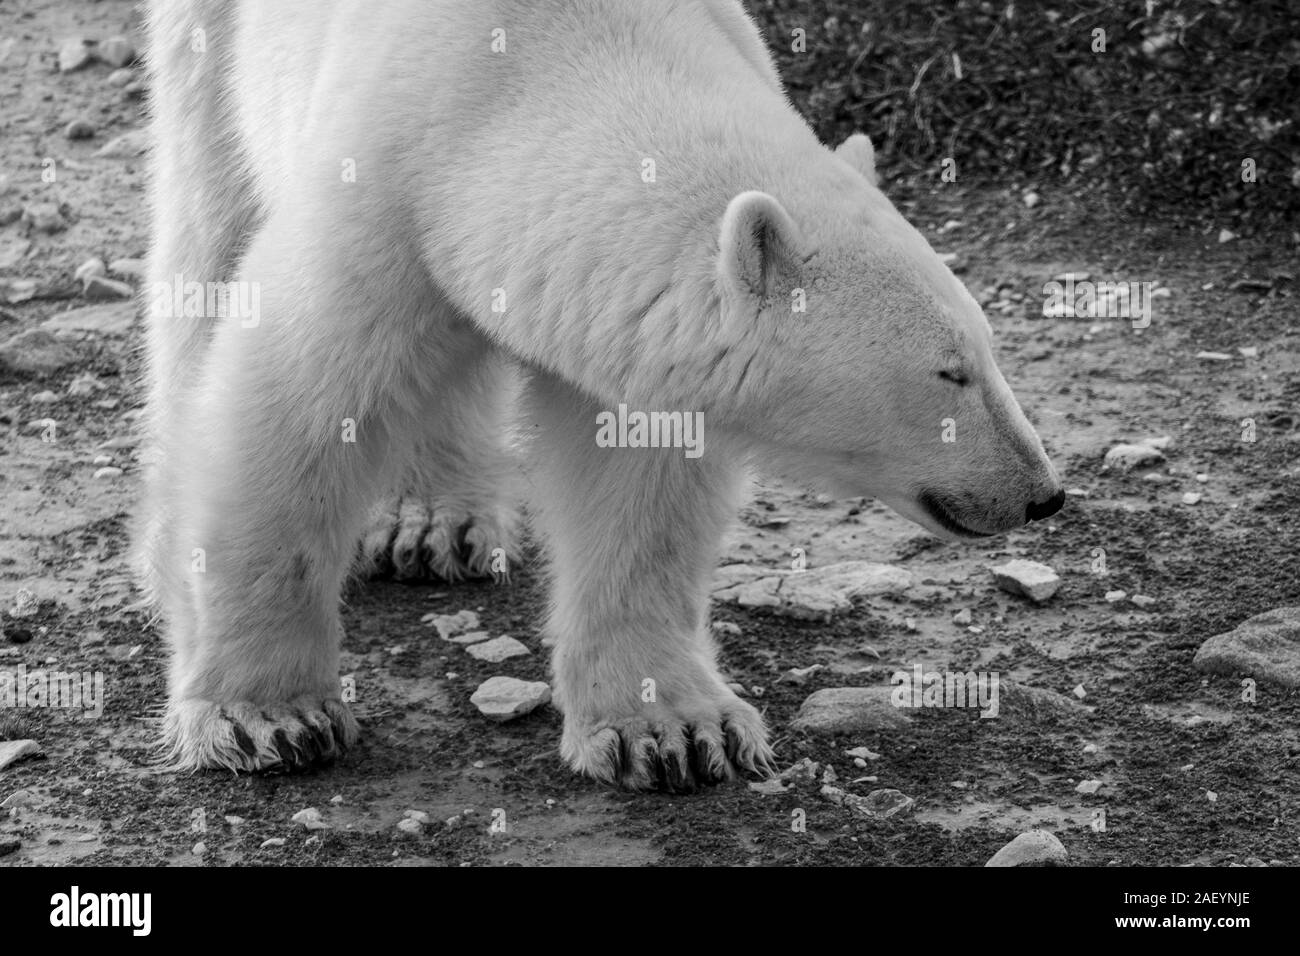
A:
(873, 369)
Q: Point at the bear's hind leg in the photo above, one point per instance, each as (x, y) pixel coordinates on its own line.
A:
(633, 535)
(454, 511)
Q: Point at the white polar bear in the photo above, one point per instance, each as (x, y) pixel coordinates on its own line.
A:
(614, 197)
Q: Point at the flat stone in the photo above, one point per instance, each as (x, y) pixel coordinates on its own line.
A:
(36, 353)
(1029, 579)
(834, 710)
(115, 318)
(12, 751)
(73, 55)
(505, 698)
(1035, 848)
(98, 288)
(449, 625)
(1126, 457)
(813, 594)
(115, 51)
(1265, 647)
(498, 649)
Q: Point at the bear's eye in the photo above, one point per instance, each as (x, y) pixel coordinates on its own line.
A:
(957, 378)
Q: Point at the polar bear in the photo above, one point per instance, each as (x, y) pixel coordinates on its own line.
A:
(612, 201)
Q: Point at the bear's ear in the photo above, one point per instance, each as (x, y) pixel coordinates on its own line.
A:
(858, 152)
(758, 241)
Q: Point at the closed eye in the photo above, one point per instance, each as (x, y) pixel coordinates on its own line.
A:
(957, 378)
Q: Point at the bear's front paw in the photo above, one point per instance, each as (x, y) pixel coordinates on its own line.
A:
(670, 748)
(241, 736)
(416, 539)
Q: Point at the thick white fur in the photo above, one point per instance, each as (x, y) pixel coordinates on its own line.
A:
(521, 170)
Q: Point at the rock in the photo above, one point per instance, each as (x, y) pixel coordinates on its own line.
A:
(19, 798)
(799, 675)
(1142, 601)
(36, 353)
(1190, 497)
(1226, 235)
(1037, 847)
(725, 628)
(12, 751)
(115, 51)
(805, 771)
(120, 78)
(14, 291)
(1265, 647)
(113, 319)
(79, 129)
(234, 821)
(1214, 356)
(410, 827)
(310, 819)
(862, 753)
(769, 788)
(1035, 581)
(200, 848)
(274, 841)
(850, 710)
(337, 799)
(129, 267)
(505, 698)
(107, 473)
(8, 846)
(1113, 596)
(419, 816)
(89, 269)
(44, 217)
(1130, 456)
(449, 625)
(498, 649)
(73, 55)
(813, 594)
(1248, 351)
(962, 617)
(878, 804)
(1031, 199)
(44, 398)
(127, 146)
(1088, 786)
(1090, 748)
(881, 804)
(101, 287)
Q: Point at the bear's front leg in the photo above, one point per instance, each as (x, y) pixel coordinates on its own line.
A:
(633, 534)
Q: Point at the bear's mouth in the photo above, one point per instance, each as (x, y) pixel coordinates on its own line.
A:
(942, 514)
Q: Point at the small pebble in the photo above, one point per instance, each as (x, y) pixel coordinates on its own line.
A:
(79, 129)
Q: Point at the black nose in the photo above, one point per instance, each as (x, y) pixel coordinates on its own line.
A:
(1045, 509)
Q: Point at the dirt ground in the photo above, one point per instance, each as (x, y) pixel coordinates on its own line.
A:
(1190, 774)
